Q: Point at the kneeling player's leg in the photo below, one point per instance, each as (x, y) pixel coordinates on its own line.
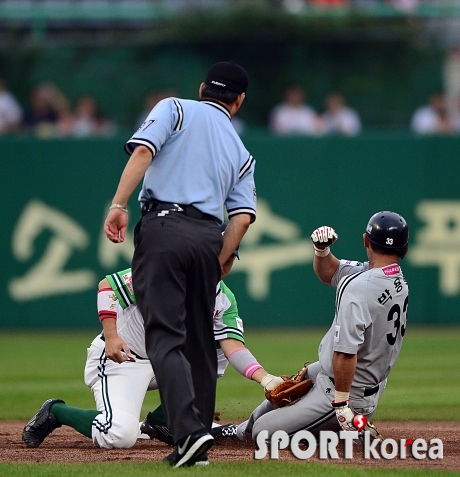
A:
(79, 419)
(119, 394)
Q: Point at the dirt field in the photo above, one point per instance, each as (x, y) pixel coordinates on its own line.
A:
(66, 445)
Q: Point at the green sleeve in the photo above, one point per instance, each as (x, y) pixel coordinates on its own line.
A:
(122, 284)
(231, 325)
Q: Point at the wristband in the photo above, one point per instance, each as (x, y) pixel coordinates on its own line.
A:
(322, 252)
(106, 305)
(341, 396)
(266, 380)
(118, 206)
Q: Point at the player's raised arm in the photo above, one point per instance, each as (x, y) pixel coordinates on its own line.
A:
(325, 263)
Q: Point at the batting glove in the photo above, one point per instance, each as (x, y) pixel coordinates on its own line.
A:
(344, 415)
(270, 382)
(373, 431)
(322, 238)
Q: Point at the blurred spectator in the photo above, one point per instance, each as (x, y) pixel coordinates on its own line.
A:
(151, 100)
(293, 115)
(339, 118)
(407, 6)
(451, 76)
(10, 110)
(455, 115)
(329, 3)
(64, 126)
(432, 118)
(88, 121)
(46, 102)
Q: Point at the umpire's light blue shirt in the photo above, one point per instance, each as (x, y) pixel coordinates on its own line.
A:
(198, 158)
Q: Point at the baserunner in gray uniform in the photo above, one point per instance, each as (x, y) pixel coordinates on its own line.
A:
(358, 352)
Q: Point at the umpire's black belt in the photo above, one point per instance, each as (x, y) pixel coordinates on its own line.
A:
(367, 391)
(188, 210)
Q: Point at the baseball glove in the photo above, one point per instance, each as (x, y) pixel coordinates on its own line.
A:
(290, 390)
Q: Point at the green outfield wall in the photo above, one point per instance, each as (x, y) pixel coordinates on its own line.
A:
(55, 195)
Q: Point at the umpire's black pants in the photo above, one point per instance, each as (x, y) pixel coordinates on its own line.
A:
(175, 273)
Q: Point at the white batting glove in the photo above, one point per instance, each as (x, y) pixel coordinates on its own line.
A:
(344, 415)
(270, 382)
(373, 431)
(323, 237)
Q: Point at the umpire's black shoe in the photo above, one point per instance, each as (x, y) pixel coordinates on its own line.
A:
(156, 429)
(41, 425)
(221, 433)
(190, 451)
(201, 461)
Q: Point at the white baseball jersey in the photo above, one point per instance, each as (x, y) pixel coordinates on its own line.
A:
(370, 320)
(119, 389)
(130, 324)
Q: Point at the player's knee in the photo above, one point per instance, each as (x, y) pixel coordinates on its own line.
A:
(121, 433)
(104, 283)
(313, 370)
(125, 441)
(115, 440)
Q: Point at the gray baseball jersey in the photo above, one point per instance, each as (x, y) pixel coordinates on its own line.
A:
(370, 320)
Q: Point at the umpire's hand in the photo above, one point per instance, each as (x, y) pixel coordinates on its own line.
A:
(115, 225)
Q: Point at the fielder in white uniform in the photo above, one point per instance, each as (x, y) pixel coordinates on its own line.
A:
(358, 352)
(119, 372)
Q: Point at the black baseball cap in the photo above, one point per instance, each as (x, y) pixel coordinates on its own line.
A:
(229, 76)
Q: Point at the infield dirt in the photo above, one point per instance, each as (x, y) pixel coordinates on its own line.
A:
(66, 445)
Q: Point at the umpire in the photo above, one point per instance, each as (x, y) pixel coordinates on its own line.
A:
(193, 163)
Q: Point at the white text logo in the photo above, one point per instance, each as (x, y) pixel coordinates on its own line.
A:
(303, 445)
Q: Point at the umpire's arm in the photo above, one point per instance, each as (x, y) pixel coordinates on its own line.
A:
(117, 220)
(237, 227)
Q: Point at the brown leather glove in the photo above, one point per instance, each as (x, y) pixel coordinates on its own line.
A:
(290, 390)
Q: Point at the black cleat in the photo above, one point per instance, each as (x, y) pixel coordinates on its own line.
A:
(190, 451)
(224, 432)
(41, 425)
(156, 429)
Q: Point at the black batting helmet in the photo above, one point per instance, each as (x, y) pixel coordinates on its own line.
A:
(388, 230)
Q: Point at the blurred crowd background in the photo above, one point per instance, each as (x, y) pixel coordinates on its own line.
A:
(81, 68)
